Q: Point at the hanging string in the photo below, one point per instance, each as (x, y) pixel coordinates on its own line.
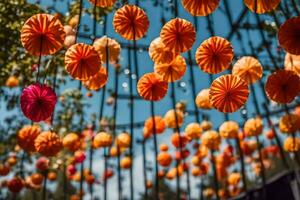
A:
(144, 167)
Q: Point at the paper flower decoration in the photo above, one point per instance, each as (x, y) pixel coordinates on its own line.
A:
(131, 22)
(178, 35)
(71, 142)
(253, 127)
(193, 130)
(291, 144)
(159, 53)
(229, 129)
(104, 44)
(164, 159)
(248, 68)
(283, 86)
(289, 123)
(292, 62)
(214, 55)
(48, 144)
(171, 116)
(102, 139)
(211, 139)
(173, 71)
(288, 35)
(38, 102)
(228, 93)
(26, 137)
(160, 125)
(261, 6)
(82, 61)
(103, 3)
(151, 87)
(200, 7)
(202, 100)
(97, 81)
(42, 34)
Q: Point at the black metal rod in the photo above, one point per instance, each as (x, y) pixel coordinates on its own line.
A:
(216, 184)
(65, 182)
(155, 151)
(131, 113)
(144, 167)
(242, 163)
(263, 171)
(255, 101)
(45, 185)
(81, 180)
(177, 129)
(193, 86)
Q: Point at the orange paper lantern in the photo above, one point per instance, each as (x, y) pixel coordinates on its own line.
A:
(261, 6)
(164, 159)
(211, 139)
(289, 123)
(48, 143)
(82, 61)
(229, 129)
(202, 100)
(102, 139)
(126, 163)
(248, 68)
(253, 127)
(152, 87)
(283, 86)
(178, 35)
(131, 22)
(200, 7)
(71, 142)
(173, 71)
(12, 82)
(103, 3)
(37, 178)
(174, 119)
(104, 44)
(291, 144)
(123, 140)
(159, 53)
(42, 34)
(193, 130)
(214, 55)
(228, 93)
(26, 137)
(292, 62)
(160, 125)
(97, 81)
(288, 35)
